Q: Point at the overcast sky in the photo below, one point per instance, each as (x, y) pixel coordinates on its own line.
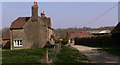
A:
(65, 14)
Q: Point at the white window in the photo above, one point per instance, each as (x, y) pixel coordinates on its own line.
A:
(17, 43)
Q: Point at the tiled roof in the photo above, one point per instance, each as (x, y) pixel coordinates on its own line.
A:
(116, 29)
(19, 22)
(78, 34)
(6, 33)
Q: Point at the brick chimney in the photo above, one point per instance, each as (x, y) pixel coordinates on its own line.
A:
(35, 11)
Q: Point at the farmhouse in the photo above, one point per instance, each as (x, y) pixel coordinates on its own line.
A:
(31, 32)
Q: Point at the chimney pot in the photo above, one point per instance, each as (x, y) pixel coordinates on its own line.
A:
(35, 3)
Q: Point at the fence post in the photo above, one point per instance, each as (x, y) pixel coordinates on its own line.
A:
(46, 56)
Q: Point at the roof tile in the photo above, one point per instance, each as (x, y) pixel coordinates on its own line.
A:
(19, 22)
(6, 33)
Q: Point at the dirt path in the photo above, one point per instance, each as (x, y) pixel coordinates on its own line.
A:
(96, 56)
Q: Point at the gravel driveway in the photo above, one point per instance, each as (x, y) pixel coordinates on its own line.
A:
(96, 56)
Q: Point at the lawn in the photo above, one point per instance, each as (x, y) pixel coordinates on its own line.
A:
(23, 56)
(34, 56)
(70, 55)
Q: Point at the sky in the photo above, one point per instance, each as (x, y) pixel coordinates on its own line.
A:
(0, 15)
(65, 14)
(60, 0)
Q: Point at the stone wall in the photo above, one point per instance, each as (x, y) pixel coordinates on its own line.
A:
(18, 34)
(35, 33)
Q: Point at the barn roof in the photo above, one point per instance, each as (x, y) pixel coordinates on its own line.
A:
(79, 33)
(116, 29)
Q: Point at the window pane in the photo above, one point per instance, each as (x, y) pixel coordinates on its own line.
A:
(20, 42)
(17, 42)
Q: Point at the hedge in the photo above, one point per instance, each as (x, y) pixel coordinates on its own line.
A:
(98, 41)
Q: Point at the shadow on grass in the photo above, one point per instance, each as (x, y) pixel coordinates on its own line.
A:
(111, 50)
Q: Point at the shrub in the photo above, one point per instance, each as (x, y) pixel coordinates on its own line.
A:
(64, 41)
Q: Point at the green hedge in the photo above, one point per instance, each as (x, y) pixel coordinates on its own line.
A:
(99, 41)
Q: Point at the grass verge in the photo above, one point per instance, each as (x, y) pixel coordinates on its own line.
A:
(22, 55)
(70, 55)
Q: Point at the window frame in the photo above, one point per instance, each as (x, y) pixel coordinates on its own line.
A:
(17, 43)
